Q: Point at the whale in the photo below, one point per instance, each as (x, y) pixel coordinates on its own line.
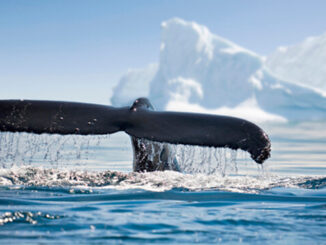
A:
(150, 155)
(152, 132)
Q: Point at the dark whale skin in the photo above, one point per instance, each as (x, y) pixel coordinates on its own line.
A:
(139, 121)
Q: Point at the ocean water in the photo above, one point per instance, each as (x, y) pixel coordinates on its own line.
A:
(63, 190)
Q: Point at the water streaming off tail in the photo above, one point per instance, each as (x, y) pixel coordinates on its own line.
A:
(25, 149)
(30, 149)
(197, 159)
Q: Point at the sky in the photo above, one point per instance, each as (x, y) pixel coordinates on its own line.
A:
(77, 50)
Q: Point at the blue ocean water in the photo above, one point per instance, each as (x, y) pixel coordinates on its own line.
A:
(65, 190)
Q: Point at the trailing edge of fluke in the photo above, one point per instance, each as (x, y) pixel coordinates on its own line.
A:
(139, 121)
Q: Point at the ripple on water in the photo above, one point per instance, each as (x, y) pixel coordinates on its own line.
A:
(26, 217)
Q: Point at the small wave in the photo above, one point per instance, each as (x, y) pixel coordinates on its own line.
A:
(152, 181)
(313, 183)
(25, 217)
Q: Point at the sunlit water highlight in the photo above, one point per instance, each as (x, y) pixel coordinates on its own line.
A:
(56, 189)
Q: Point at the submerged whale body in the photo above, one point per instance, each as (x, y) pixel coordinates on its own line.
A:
(148, 128)
(150, 156)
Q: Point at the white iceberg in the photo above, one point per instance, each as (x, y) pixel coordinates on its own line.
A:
(303, 63)
(201, 72)
(135, 83)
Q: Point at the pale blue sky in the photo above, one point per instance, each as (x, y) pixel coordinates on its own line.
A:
(77, 50)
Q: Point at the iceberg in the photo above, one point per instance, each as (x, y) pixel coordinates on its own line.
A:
(202, 72)
(128, 87)
(303, 63)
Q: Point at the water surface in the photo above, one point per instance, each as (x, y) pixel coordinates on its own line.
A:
(57, 189)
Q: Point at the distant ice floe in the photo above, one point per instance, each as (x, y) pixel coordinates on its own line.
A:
(248, 109)
(202, 72)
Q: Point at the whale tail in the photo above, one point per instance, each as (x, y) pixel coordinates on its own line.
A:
(139, 120)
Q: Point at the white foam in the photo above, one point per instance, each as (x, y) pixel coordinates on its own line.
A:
(152, 181)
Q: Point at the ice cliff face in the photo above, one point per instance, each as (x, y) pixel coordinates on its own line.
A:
(189, 52)
(201, 72)
(304, 63)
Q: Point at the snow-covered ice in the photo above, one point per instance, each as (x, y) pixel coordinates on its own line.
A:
(303, 63)
(202, 72)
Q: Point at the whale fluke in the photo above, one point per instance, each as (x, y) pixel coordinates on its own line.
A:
(139, 120)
